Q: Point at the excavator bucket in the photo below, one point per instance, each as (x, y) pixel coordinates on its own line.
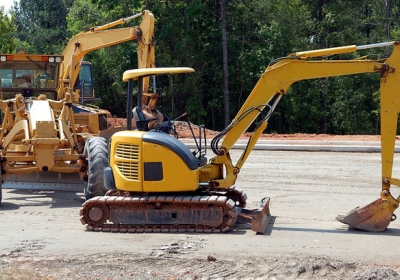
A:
(258, 218)
(373, 217)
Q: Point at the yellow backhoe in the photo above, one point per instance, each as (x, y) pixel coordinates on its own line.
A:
(46, 120)
(158, 185)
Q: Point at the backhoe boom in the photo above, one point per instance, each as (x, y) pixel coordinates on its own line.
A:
(277, 80)
(102, 37)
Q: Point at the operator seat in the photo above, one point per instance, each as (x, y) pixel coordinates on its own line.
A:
(142, 124)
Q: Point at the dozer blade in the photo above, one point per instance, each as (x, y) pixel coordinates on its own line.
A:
(53, 181)
(258, 218)
(374, 217)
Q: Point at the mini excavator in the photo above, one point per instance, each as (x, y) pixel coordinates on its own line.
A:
(156, 184)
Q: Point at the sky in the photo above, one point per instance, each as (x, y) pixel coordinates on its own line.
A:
(7, 4)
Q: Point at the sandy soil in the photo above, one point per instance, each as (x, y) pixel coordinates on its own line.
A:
(41, 236)
(184, 131)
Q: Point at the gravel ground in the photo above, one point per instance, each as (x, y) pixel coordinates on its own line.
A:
(41, 236)
(172, 265)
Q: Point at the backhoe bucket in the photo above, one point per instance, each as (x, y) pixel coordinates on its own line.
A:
(258, 218)
(374, 217)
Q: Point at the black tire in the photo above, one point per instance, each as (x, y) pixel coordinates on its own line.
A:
(96, 152)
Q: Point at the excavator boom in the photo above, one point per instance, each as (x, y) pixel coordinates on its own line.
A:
(102, 37)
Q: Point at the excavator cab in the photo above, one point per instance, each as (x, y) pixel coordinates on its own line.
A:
(151, 121)
(84, 84)
(162, 157)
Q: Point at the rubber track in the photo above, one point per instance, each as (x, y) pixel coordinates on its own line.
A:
(179, 200)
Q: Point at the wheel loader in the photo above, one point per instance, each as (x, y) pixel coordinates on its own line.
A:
(46, 116)
(158, 185)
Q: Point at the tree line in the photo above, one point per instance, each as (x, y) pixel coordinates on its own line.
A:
(189, 33)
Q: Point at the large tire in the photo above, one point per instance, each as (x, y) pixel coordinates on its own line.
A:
(96, 152)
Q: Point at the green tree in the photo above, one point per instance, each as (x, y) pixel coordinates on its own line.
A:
(7, 29)
(340, 105)
(188, 33)
(259, 33)
(42, 25)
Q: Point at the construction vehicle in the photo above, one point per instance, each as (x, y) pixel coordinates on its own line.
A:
(158, 185)
(45, 115)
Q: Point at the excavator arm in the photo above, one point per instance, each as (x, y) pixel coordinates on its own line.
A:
(276, 81)
(101, 37)
(278, 78)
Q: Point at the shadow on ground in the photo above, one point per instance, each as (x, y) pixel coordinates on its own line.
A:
(15, 199)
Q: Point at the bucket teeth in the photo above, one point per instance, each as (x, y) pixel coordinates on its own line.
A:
(374, 217)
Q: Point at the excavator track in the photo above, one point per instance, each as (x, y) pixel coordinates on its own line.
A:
(161, 213)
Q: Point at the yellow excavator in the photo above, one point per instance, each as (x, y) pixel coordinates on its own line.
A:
(158, 185)
(46, 119)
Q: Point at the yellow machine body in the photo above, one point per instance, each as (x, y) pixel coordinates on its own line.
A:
(144, 162)
(46, 122)
(157, 184)
(220, 173)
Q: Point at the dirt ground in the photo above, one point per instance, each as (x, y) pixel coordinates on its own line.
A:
(184, 131)
(41, 236)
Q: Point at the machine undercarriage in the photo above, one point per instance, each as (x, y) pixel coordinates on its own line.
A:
(210, 211)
